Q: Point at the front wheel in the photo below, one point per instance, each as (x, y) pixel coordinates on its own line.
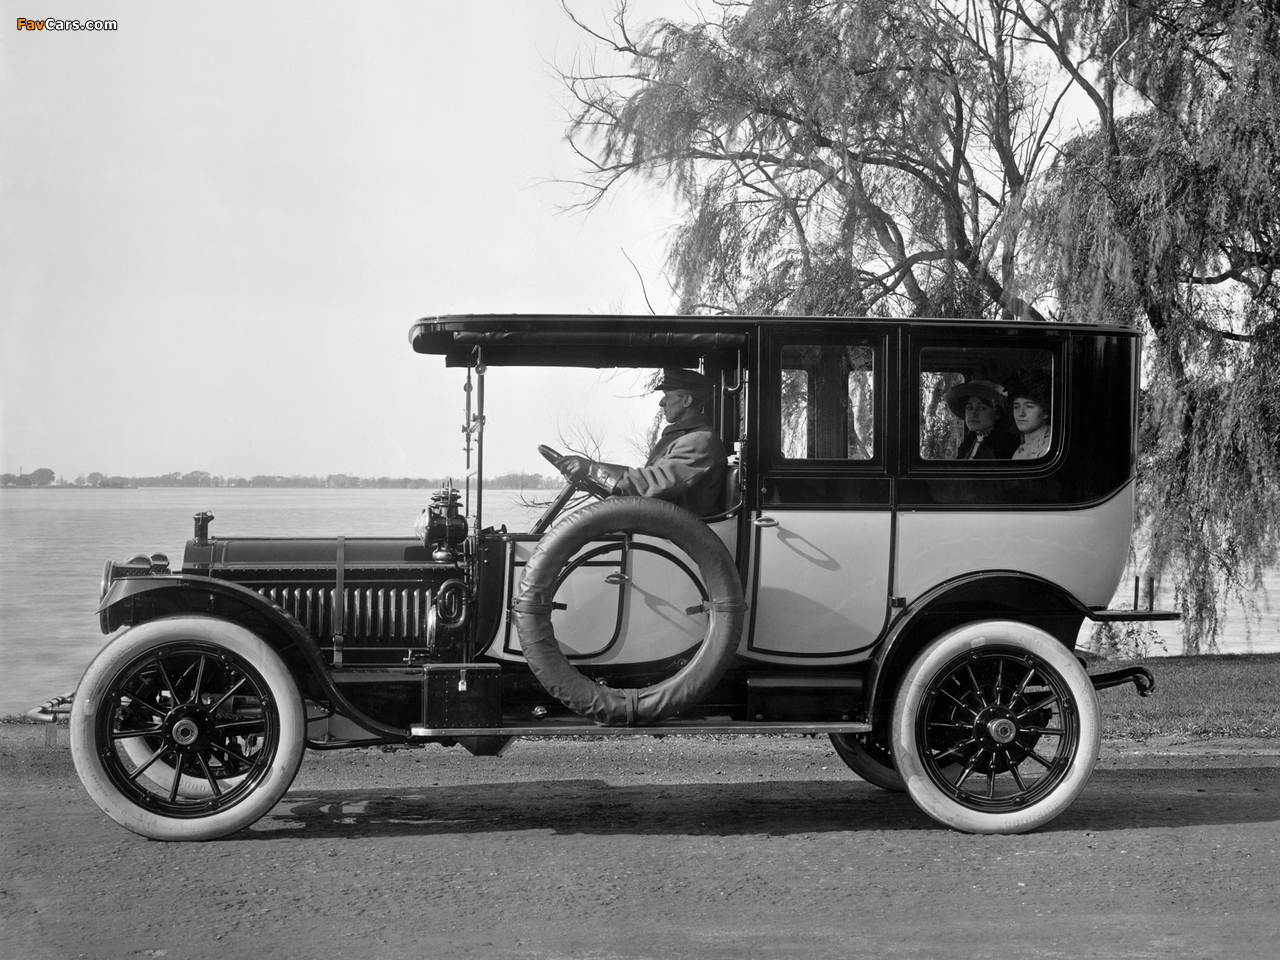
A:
(187, 728)
(995, 728)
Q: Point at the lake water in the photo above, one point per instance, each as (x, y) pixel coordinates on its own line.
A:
(53, 544)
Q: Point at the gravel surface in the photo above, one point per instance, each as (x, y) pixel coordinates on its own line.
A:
(684, 847)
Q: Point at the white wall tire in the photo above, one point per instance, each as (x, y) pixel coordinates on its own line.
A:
(209, 699)
(995, 728)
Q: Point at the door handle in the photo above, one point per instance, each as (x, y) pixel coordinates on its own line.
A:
(765, 522)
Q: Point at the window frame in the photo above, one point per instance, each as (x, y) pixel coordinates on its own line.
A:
(875, 337)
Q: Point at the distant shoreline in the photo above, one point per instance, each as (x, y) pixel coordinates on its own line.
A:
(505, 481)
(67, 486)
(528, 488)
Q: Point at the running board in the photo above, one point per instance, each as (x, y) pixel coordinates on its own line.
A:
(688, 727)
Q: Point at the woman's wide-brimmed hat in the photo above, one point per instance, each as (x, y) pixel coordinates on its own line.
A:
(986, 390)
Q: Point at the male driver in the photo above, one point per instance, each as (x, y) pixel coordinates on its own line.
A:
(687, 463)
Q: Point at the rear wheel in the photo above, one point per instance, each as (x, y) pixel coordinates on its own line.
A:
(868, 759)
(995, 729)
(187, 728)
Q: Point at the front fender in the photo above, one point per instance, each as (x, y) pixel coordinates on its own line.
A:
(134, 600)
(130, 601)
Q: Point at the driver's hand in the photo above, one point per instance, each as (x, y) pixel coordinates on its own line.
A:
(575, 468)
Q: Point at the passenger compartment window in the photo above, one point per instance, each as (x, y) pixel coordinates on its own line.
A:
(828, 402)
(986, 403)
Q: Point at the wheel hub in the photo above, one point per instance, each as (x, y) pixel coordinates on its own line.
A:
(1002, 730)
(187, 727)
(185, 732)
(996, 726)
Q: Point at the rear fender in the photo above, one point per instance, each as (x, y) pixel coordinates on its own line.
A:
(985, 595)
(134, 600)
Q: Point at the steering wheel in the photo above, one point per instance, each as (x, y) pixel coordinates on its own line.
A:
(585, 485)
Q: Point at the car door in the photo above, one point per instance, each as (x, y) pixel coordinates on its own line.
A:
(822, 529)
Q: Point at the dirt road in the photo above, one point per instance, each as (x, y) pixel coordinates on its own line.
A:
(738, 849)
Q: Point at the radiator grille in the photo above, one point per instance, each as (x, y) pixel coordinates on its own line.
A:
(370, 613)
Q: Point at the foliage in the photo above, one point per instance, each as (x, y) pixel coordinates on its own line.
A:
(834, 157)
(40, 477)
(1104, 160)
(1124, 640)
(940, 433)
(1168, 218)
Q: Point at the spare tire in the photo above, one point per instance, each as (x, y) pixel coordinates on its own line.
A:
(683, 689)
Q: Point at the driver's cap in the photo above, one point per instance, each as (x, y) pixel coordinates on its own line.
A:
(674, 378)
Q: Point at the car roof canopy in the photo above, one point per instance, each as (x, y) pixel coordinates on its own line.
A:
(577, 341)
(569, 340)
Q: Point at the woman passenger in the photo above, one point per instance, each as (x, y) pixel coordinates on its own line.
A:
(983, 406)
(1031, 411)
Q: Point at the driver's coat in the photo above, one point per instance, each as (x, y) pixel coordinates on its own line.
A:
(686, 467)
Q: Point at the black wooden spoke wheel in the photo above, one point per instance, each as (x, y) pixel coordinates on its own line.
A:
(996, 728)
(187, 728)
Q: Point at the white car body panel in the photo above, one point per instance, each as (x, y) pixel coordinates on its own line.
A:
(823, 569)
(1081, 550)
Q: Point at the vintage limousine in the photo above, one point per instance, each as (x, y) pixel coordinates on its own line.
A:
(879, 568)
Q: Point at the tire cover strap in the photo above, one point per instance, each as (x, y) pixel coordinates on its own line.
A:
(723, 605)
(528, 606)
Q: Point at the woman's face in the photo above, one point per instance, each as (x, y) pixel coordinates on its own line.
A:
(979, 415)
(1028, 415)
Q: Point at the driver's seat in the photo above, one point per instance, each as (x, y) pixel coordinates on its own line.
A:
(732, 493)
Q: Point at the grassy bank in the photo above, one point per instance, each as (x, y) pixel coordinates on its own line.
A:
(1229, 695)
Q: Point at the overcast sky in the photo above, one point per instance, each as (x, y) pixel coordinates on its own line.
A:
(218, 222)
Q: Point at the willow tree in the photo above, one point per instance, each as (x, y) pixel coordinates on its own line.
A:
(1166, 214)
(832, 157)
(1031, 159)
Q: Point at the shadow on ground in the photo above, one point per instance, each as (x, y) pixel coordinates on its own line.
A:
(1113, 800)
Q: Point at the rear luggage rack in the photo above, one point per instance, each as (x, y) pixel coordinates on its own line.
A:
(1138, 611)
